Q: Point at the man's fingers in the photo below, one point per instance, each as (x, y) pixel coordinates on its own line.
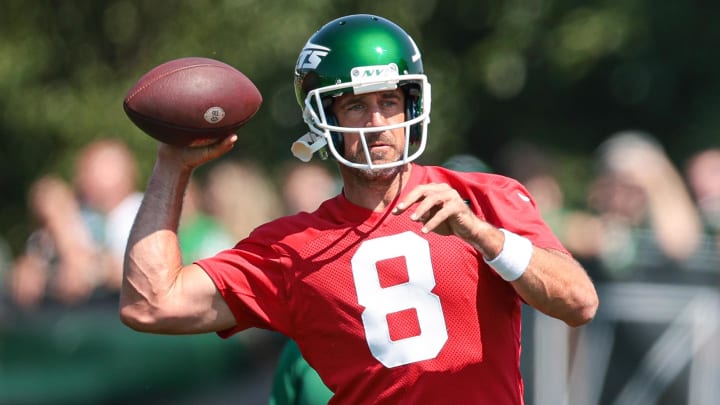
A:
(438, 200)
(438, 207)
(434, 219)
(418, 194)
(218, 149)
(411, 198)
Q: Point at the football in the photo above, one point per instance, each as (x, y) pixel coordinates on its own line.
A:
(192, 101)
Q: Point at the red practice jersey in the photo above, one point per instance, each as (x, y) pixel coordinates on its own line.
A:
(383, 312)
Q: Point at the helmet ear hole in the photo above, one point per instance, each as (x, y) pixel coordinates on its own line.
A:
(412, 110)
(337, 137)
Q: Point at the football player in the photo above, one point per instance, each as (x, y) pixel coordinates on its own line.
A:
(407, 286)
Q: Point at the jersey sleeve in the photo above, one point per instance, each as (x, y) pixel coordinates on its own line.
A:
(251, 278)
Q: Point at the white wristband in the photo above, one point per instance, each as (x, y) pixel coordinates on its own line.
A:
(514, 257)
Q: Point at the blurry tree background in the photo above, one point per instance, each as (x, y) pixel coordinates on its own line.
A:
(563, 74)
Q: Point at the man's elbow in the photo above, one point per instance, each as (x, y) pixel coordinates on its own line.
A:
(131, 318)
(138, 319)
(585, 312)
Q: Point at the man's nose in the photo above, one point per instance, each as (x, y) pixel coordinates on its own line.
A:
(377, 119)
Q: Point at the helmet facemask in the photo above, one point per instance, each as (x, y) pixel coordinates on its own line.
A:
(325, 131)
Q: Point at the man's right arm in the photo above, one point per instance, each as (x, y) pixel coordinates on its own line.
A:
(159, 294)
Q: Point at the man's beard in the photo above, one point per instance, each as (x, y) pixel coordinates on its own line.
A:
(376, 174)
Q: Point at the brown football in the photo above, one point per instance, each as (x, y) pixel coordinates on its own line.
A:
(192, 101)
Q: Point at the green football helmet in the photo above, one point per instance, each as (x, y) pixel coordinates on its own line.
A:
(359, 54)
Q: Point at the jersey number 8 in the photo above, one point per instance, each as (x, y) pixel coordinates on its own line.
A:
(416, 294)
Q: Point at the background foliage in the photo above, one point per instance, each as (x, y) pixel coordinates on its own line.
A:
(559, 73)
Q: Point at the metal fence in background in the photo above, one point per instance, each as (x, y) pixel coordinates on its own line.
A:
(650, 343)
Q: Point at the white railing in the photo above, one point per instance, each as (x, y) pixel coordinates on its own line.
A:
(571, 366)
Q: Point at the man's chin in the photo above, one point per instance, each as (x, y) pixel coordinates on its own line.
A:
(377, 174)
(380, 173)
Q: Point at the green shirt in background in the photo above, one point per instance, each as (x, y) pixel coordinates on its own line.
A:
(295, 382)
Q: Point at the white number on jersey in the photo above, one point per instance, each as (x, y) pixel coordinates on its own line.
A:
(415, 294)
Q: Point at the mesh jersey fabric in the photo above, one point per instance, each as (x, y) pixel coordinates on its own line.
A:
(383, 312)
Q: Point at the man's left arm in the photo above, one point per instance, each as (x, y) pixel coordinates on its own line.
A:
(552, 281)
(549, 280)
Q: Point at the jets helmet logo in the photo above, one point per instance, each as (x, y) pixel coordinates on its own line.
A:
(311, 56)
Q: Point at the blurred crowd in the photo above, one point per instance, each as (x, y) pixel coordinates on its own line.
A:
(74, 255)
(75, 252)
(643, 216)
(68, 276)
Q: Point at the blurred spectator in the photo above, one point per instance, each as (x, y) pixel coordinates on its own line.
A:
(703, 177)
(702, 173)
(304, 186)
(579, 230)
(60, 259)
(77, 249)
(533, 167)
(106, 176)
(466, 163)
(646, 210)
(200, 233)
(241, 205)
